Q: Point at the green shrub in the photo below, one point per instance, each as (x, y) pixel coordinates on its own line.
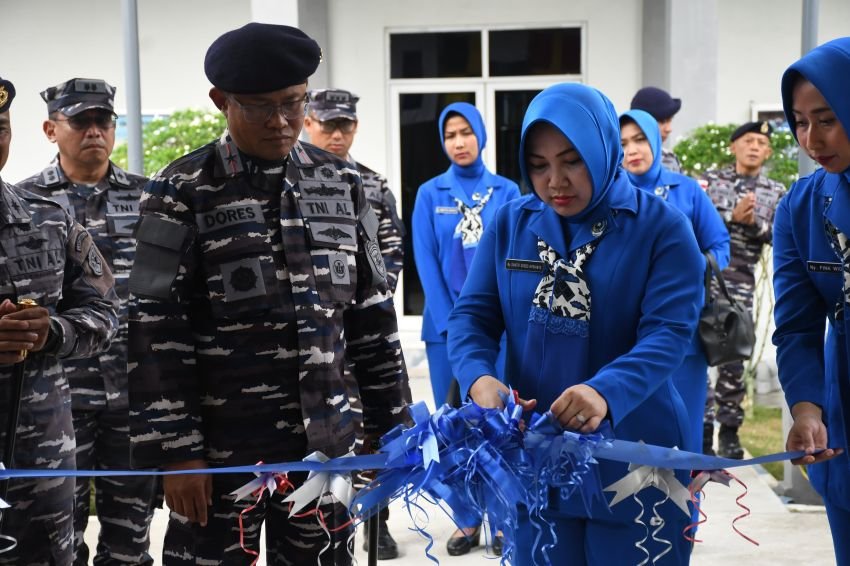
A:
(707, 147)
(166, 139)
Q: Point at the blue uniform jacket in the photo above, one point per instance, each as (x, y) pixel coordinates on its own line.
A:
(808, 285)
(686, 195)
(435, 216)
(645, 285)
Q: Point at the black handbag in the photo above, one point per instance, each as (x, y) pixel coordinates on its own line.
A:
(725, 327)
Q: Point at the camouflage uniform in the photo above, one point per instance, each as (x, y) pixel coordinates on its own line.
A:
(99, 401)
(670, 161)
(49, 257)
(726, 187)
(390, 229)
(253, 282)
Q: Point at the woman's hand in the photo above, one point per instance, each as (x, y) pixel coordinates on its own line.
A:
(809, 433)
(485, 392)
(580, 408)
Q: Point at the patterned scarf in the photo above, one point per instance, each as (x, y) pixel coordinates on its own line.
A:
(841, 246)
(467, 235)
(558, 340)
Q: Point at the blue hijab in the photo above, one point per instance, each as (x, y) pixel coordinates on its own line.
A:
(587, 118)
(649, 126)
(828, 68)
(468, 175)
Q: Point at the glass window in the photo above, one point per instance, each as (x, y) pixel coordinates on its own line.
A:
(510, 109)
(422, 157)
(555, 51)
(435, 55)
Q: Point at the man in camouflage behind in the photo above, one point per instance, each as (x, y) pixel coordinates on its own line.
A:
(746, 199)
(331, 123)
(258, 272)
(104, 199)
(50, 258)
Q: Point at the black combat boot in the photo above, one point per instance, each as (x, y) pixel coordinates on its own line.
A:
(728, 445)
(387, 547)
(708, 439)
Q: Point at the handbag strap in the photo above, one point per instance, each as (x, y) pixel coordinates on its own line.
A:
(713, 268)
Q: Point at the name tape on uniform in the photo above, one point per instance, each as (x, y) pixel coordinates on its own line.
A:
(824, 267)
(228, 216)
(529, 265)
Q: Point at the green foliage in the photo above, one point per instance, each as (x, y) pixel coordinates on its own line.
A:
(166, 139)
(707, 147)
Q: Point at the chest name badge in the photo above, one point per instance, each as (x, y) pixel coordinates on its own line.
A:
(229, 216)
(824, 267)
(446, 210)
(529, 265)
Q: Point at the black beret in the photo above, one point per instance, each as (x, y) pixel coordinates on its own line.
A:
(330, 103)
(258, 58)
(7, 94)
(763, 128)
(78, 95)
(657, 102)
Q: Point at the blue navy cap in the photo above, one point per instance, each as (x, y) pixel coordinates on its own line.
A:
(78, 95)
(7, 94)
(657, 102)
(764, 128)
(333, 103)
(259, 58)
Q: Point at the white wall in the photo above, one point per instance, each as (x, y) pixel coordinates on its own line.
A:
(758, 39)
(357, 51)
(49, 41)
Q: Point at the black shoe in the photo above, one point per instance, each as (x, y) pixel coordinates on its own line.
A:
(498, 545)
(708, 440)
(460, 545)
(728, 444)
(387, 547)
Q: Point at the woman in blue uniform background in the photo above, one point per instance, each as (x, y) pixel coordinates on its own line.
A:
(811, 262)
(641, 141)
(449, 216)
(584, 233)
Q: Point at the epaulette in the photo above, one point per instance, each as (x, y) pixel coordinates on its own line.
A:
(228, 157)
(52, 176)
(118, 176)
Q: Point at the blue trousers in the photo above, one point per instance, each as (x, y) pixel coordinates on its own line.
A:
(605, 540)
(839, 524)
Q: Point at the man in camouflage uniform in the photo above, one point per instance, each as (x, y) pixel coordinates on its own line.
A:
(104, 199)
(331, 123)
(746, 200)
(663, 107)
(257, 274)
(50, 258)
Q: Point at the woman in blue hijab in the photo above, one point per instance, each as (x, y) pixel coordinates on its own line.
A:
(641, 141)
(449, 217)
(811, 263)
(596, 286)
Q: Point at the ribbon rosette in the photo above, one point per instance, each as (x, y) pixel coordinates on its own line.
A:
(319, 483)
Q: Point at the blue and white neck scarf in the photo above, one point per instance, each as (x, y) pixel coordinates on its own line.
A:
(467, 235)
(558, 339)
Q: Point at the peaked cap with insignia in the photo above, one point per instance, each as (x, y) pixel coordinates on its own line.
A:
(7, 94)
(78, 95)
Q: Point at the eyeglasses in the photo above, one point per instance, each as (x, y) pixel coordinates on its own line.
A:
(83, 122)
(261, 113)
(344, 126)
